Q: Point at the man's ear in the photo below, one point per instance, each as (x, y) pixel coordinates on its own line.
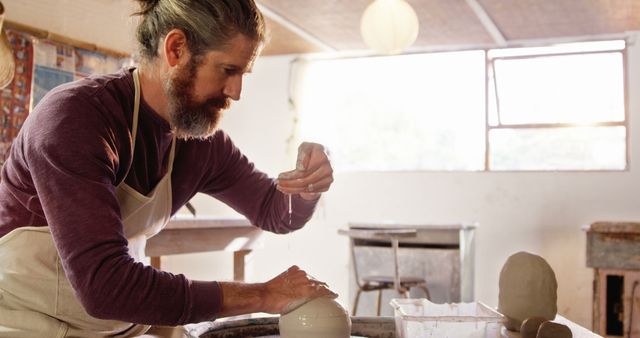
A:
(175, 47)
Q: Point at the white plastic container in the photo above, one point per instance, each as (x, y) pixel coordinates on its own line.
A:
(422, 318)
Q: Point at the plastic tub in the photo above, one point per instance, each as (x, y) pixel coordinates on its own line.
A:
(422, 318)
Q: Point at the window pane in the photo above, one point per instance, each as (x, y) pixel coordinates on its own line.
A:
(410, 112)
(561, 89)
(577, 148)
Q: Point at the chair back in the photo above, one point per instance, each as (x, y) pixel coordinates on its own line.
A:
(364, 236)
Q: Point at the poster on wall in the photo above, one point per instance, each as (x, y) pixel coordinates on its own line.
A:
(15, 98)
(88, 63)
(42, 65)
(54, 65)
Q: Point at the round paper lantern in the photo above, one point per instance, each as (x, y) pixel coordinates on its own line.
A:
(389, 26)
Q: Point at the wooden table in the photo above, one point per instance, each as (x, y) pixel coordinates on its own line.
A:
(202, 234)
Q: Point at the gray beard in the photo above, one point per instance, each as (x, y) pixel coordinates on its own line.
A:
(192, 119)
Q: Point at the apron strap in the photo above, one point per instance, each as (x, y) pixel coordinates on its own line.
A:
(136, 109)
(134, 127)
(171, 155)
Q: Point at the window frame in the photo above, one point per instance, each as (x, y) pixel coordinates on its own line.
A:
(490, 73)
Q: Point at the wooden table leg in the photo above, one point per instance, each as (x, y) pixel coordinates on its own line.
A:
(238, 264)
(155, 262)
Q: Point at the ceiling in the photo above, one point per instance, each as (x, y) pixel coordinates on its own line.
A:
(310, 26)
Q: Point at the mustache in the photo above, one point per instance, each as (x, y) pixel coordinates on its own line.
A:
(220, 103)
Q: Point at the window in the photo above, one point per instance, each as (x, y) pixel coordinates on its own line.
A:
(552, 108)
(412, 112)
(563, 110)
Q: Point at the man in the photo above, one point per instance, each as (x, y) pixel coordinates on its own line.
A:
(101, 164)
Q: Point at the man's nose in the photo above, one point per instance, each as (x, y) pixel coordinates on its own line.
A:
(233, 87)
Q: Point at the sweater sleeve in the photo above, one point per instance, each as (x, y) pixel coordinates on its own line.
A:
(234, 180)
(74, 148)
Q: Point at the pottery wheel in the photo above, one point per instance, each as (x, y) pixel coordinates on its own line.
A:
(370, 327)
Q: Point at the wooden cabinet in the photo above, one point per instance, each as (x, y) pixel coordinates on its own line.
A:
(616, 303)
(613, 250)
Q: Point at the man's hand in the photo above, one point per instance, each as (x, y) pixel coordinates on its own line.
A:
(313, 174)
(291, 289)
(281, 294)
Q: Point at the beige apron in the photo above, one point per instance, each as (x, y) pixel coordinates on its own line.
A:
(36, 299)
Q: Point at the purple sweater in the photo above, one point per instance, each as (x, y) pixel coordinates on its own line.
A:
(64, 166)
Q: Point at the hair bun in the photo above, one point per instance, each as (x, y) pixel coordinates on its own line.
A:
(147, 6)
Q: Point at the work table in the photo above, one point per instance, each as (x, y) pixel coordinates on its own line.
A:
(188, 234)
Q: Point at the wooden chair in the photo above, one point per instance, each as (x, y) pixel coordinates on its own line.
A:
(401, 284)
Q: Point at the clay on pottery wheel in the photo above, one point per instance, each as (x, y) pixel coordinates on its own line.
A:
(554, 330)
(530, 326)
(320, 318)
(527, 289)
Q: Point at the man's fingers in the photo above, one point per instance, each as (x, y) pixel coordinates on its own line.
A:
(294, 287)
(303, 161)
(300, 186)
(313, 173)
(305, 152)
(291, 175)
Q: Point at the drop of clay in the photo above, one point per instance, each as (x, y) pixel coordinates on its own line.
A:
(320, 318)
(528, 288)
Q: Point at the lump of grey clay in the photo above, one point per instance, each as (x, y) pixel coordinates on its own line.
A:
(527, 289)
(554, 330)
(529, 327)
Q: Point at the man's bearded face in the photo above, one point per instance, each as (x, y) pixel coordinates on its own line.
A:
(190, 117)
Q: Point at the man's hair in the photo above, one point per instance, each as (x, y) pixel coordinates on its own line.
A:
(208, 24)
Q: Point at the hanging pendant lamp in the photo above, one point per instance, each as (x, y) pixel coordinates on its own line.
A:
(389, 26)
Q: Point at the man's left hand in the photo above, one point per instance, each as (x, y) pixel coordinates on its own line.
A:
(313, 174)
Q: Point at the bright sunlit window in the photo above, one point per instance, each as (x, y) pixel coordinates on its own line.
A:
(558, 108)
(551, 108)
(414, 112)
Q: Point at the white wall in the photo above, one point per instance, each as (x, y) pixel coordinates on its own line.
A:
(537, 212)
(107, 24)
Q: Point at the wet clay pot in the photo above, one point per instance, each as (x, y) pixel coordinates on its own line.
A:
(320, 318)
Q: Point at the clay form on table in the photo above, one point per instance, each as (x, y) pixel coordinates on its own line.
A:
(528, 288)
(529, 327)
(320, 318)
(554, 330)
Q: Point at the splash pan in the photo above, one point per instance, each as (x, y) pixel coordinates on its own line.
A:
(370, 327)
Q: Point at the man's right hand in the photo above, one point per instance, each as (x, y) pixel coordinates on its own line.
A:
(292, 288)
(280, 295)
